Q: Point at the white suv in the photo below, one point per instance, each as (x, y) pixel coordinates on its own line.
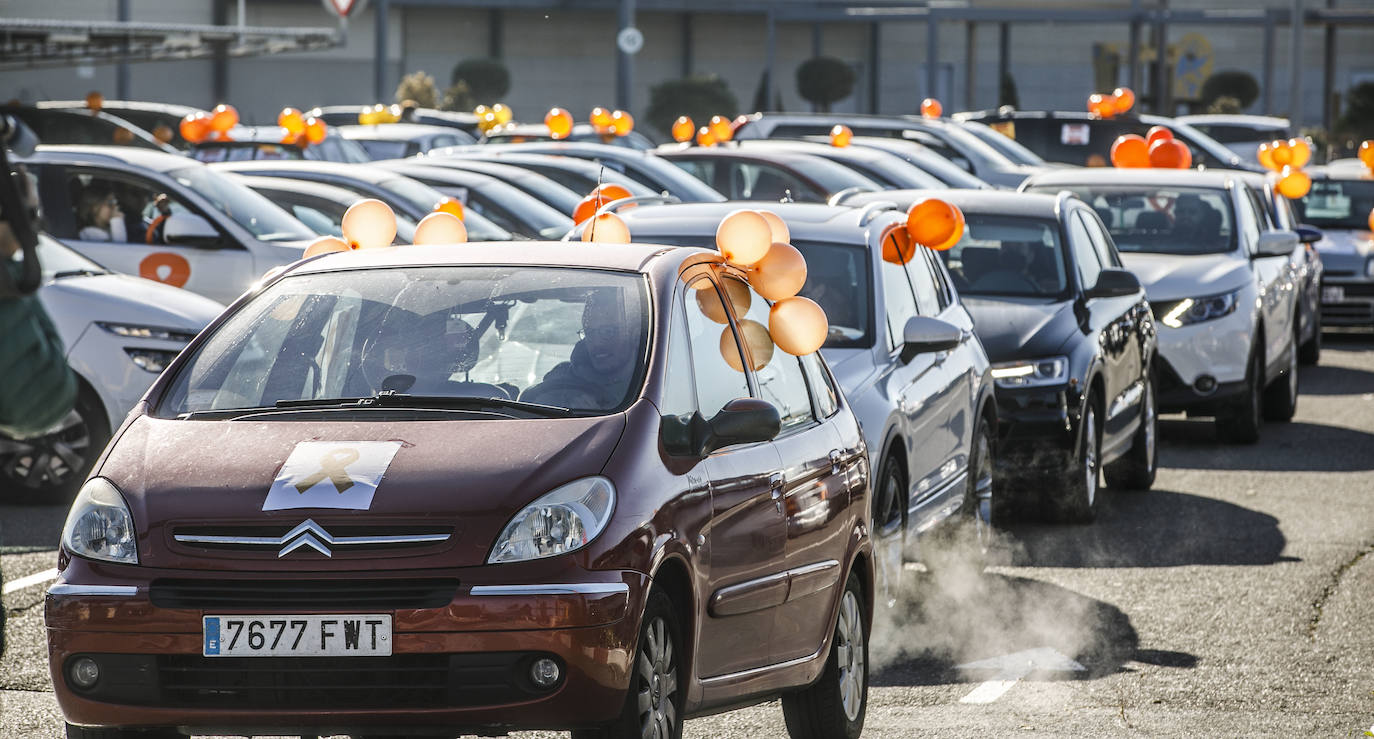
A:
(1224, 291)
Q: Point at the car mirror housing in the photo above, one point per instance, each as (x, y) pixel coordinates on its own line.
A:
(924, 334)
(1276, 244)
(1114, 283)
(190, 229)
(740, 421)
(1309, 234)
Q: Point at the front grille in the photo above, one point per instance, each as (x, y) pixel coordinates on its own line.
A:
(341, 540)
(324, 595)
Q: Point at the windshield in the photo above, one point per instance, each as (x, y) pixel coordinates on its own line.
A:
(383, 149)
(424, 198)
(568, 337)
(57, 258)
(1161, 220)
(1007, 255)
(1008, 146)
(1337, 204)
(893, 171)
(263, 219)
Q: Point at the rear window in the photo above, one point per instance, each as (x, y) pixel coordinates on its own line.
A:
(1161, 220)
(1337, 204)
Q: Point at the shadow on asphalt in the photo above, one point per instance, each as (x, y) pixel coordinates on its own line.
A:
(1157, 528)
(1334, 381)
(939, 625)
(31, 527)
(1283, 447)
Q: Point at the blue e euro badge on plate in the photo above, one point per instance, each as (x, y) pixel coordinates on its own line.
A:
(331, 474)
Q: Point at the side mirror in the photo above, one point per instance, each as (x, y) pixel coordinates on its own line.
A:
(1276, 244)
(189, 229)
(1113, 283)
(1309, 234)
(741, 421)
(924, 334)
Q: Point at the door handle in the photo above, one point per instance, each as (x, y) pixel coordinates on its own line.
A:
(775, 485)
(834, 461)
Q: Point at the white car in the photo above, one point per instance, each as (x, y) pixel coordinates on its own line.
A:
(216, 238)
(1242, 134)
(1223, 288)
(119, 332)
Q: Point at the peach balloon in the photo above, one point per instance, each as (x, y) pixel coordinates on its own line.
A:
(450, 205)
(1157, 133)
(324, 245)
(744, 237)
(440, 228)
(781, 234)
(292, 120)
(841, 136)
(622, 123)
(931, 108)
(1293, 183)
(369, 224)
(683, 128)
(721, 128)
(1301, 153)
(560, 123)
(780, 274)
(607, 228)
(224, 118)
(933, 222)
(1130, 151)
(898, 248)
(315, 130)
(705, 137)
(798, 326)
(1125, 99)
(735, 291)
(756, 338)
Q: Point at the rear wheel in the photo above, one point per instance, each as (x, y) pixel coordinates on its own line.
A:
(1136, 470)
(834, 706)
(1076, 501)
(1311, 351)
(887, 509)
(1239, 422)
(1281, 397)
(49, 468)
(653, 705)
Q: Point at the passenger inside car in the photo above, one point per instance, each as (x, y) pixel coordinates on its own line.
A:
(599, 370)
(1195, 220)
(96, 211)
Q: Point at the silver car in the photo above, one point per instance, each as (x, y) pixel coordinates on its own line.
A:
(1340, 203)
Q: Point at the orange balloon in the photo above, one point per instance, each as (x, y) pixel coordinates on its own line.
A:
(1265, 155)
(325, 245)
(841, 136)
(735, 291)
(744, 237)
(600, 119)
(1130, 151)
(1157, 133)
(315, 130)
(781, 234)
(122, 136)
(622, 123)
(1281, 153)
(798, 326)
(1125, 99)
(1293, 183)
(292, 120)
(1371, 219)
(94, 100)
(1301, 153)
(1367, 153)
(931, 108)
(705, 137)
(1102, 106)
(683, 128)
(224, 118)
(598, 198)
(451, 206)
(195, 127)
(607, 228)
(756, 337)
(898, 248)
(560, 123)
(440, 228)
(780, 274)
(1170, 154)
(933, 223)
(721, 129)
(163, 132)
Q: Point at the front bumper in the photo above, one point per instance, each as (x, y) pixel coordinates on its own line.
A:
(1355, 305)
(1037, 430)
(1203, 362)
(458, 667)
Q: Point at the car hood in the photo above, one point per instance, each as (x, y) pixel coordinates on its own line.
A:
(1169, 277)
(1345, 250)
(73, 301)
(465, 476)
(852, 368)
(1021, 328)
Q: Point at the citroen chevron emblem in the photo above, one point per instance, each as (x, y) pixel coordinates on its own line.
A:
(304, 535)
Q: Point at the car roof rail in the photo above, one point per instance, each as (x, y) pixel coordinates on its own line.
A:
(1059, 199)
(663, 199)
(839, 197)
(871, 211)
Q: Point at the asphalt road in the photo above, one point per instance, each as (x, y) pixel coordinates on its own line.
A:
(1232, 600)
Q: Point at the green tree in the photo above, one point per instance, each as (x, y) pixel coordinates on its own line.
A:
(1006, 93)
(1224, 105)
(487, 80)
(824, 80)
(420, 88)
(457, 98)
(698, 98)
(1358, 120)
(1233, 83)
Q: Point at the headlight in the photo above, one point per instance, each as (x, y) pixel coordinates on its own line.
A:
(562, 521)
(99, 525)
(1196, 310)
(152, 360)
(147, 332)
(1031, 372)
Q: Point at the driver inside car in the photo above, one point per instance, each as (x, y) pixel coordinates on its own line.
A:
(597, 373)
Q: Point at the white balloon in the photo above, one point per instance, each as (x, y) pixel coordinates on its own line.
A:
(440, 228)
(369, 224)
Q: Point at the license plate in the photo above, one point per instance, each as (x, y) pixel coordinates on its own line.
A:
(1333, 294)
(349, 635)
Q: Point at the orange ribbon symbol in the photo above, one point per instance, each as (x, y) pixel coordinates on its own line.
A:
(332, 466)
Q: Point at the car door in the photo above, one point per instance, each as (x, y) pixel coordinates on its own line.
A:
(135, 241)
(1110, 319)
(745, 575)
(815, 493)
(1135, 318)
(1275, 279)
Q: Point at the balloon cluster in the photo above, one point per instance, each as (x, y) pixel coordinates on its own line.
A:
(371, 115)
(197, 127)
(931, 108)
(610, 124)
(299, 129)
(489, 117)
(1112, 104)
(596, 199)
(718, 130)
(1287, 158)
(932, 223)
(371, 224)
(1157, 148)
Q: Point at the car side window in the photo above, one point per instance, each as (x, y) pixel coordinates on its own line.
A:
(778, 373)
(679, 401)
(752, 181)
(1248, 222)
(822, 385)
(1084, 256)
(715, 352)
(945, 293)
(1102, 242)
(702, 169)
(119, 209)
(899, 302)
(923, 283)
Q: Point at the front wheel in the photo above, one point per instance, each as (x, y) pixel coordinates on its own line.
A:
(1281, 398)
(834, 706)
(1136, 470)
(1239, 422)
(1077, 500)
(653, 704)
(48, 469)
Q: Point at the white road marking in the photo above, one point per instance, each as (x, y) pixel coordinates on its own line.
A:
(1012, 668)
(37, 578)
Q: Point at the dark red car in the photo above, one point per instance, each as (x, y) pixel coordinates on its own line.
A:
(440, 490)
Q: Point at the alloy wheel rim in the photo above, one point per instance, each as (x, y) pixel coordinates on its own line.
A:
(1293, 369)
(657, 670)
(892, 485)
(849, 655)
(1090, 452)
(1151, 421)
(51, 459)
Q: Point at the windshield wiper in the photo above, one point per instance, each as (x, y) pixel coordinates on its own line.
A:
(392, 399)
(79, 273)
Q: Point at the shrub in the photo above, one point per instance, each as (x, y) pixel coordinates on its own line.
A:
(824, 80)
(420, 88)
(457, 98)
(1358, 120)
(487, 80)
(699, 98)
(1230, 83)
(1224, 105)
(1006, 93)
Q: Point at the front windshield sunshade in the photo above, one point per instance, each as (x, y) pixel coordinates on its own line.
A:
(565, 338)
(1008, 256)
(1161, 220)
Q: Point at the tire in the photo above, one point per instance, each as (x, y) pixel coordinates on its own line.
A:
(1077, 499)
(1136, 470)
(888, 507)
(48, 470)
(834, 706)
(1310, 352)
(78, 732)
(1281, 397)
(655, 679)
(1239, 422)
